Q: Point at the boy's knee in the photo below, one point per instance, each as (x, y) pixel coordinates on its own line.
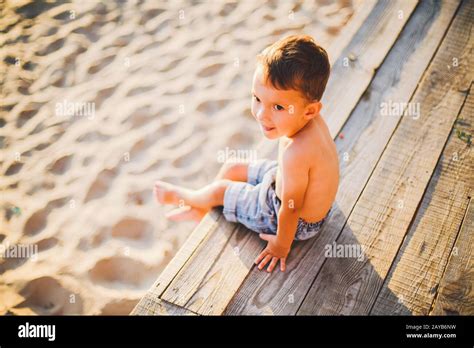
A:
(234, 171)
(218, 190)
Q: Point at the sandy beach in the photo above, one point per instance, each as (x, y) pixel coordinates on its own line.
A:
(99, 100)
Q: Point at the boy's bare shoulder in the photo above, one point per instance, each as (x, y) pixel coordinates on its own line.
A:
(299, 151)
(308, 144)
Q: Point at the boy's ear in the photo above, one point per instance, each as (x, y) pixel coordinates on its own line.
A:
(313, 109)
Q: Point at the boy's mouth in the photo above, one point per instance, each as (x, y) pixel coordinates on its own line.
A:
(267, 129)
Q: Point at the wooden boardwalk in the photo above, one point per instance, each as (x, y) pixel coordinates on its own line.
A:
(400, 108)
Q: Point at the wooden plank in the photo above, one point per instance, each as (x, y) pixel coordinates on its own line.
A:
(205, 227)
(345, 36)
(421, 260)
(191, 294)
(216, 266)
(386, 207)
(153, 305)
(365, 136)
(456, 294)
(362, 58)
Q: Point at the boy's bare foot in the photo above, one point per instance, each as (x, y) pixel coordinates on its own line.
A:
(166, 193)
(186, 213)
(205, 198)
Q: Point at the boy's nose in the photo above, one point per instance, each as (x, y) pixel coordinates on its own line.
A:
(262, 115)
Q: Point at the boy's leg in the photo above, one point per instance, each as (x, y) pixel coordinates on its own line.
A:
(209, 196)
(233, 171)
(243, 172)
(228, 171)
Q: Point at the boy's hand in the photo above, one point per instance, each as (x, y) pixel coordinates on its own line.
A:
(273, 253)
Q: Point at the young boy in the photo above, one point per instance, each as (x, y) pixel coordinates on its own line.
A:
(283, 200)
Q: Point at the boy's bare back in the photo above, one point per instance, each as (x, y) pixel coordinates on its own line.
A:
(317, 154)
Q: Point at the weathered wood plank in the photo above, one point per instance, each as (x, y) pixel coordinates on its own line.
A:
(187, 289)
(206, 226)
(387, 205)
(153, 305)
(216, 266)
(420, 262)
(347, 33)
(456, 294)
(363, 57)
(365, 136)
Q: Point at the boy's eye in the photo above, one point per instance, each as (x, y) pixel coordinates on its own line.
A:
(256, 98)
(279, 107)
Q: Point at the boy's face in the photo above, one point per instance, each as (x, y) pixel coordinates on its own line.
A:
(279, 112)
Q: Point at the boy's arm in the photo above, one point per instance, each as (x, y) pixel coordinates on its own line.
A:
(295, 177)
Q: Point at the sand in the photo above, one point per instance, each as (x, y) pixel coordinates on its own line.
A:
(97, 102)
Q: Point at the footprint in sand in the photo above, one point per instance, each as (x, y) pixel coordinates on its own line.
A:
(211, 106)
(10, 263)
(53, 46)
(101, 184)
(139, 117)
(92, 136)
(132, 228)
(46, 243)
(140, 146)
(13, 168)
(140, 90)
(46, 296)
(37, 221)
(60, 165)
(100, 64)
(210, 70)
(24, 117)
(122, 270)
(93, 241)
(149, 14)
(139, 197)
(103, 95)
(119, 307)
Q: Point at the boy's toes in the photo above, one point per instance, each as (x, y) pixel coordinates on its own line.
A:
(164, 193)
(159, 194)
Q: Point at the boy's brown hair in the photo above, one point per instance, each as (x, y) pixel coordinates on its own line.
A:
(297, 62)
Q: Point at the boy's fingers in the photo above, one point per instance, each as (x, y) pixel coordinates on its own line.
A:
(263, 236)
(264, 261)
(260, 257)
(272, 264)
(283, 264)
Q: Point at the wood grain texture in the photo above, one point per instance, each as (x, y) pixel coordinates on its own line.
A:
(388, 203)
(206, 226)
(362, 57)
(153, 305)
(217, 266)
(365, 136)
(456, 294)
(421, 260)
